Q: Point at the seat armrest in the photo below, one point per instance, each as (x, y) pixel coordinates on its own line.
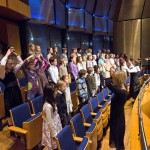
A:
(93, 113)
(17, 130)
(100, 106)
(105, 100)
(78, 139)
(32, 114)
(87, 124)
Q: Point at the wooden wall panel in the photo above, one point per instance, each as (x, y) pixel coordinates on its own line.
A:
(3, 32)
(3, 3)
(19, 7)
(14, 37)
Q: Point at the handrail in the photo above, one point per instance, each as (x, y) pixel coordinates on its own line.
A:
(141, 127)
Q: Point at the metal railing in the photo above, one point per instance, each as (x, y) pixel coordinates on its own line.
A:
(141, 127)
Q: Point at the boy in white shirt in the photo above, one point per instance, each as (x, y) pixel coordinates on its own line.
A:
(53, 70)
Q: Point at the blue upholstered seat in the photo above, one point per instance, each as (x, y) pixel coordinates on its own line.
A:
(100, 98)
(22, 81)
(20, 113)
(72, 86)
(37, 104)
(86, 111)
(105, 94)
(78, 126)
(2, 87)
(66, 141)
(26, 124)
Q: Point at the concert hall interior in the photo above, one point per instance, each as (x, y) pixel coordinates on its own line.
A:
(74, 74)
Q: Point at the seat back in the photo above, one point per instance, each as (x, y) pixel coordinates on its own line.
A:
(37, 104)
(104, 91)
(75, 100)
(2, 106)
(19, 114)
(65, 139)
(77, 126)
(85, 111)
(94, 104)
(100, 97)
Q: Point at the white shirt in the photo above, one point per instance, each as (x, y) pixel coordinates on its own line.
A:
(97, 79)
(68, 99)
(94, 63)
(53, 72)
(84, 65)
(134, 69)
(79, 66)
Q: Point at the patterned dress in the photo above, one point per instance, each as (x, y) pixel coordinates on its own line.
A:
(51, 126)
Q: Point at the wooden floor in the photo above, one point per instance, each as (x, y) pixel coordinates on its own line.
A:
(7, 142)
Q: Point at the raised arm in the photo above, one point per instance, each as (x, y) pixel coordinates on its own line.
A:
(3, 64)
(19, 64)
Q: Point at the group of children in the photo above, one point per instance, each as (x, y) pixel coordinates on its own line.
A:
(50, 78)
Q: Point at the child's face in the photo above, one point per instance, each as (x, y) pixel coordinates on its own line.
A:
(98, 70)
(80, 59)
(94, 58)
(90, 57)
(84, 76)
(62, 88)
(55, 62)
(83, 58)
(31, 67)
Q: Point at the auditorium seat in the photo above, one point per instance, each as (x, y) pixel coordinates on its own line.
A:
(80, 131)
(75, 100)
(66, 141)
(95, 108)
(106, 97)
(37, 104)
(89, 117)
(27, 125)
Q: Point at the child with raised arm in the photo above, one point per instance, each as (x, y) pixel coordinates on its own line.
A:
(9, 65)
(33, 87)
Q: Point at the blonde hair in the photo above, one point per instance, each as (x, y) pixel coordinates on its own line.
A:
(60, 83)
(90, 69)
(119, 78)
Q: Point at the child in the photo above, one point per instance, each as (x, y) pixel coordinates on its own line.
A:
(82, 87)
(62, 67)
(97, 78)
(33, 88)
(51, 120)
(89, 61)
(68, 94)
(73, 68)
(12, 93)
(84, 62)
(43, 65)
(61, 102)
(91, 84)
(64, 55)
(117, 118)
(79, 63)
(53, 70)
(49, 52)
(94, 63)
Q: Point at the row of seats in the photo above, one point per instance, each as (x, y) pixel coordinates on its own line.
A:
(95, 117)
